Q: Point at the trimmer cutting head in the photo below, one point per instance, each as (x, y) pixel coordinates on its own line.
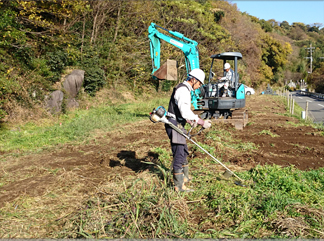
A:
(239, 184)
(228, 174)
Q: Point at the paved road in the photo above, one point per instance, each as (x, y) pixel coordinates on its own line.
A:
(315, 106)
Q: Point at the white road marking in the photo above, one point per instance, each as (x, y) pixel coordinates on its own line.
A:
(309, 101)
(300, 97)
(321, 105)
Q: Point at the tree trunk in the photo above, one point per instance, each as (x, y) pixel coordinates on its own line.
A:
(118, 20)
(93, 28)
(82, 41)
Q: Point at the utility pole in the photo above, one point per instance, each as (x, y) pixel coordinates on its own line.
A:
(310, 49)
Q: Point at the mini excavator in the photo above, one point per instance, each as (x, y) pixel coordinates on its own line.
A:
(207, 101)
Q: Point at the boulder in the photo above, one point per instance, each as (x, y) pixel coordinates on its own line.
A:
(54, 102)
(73, 83)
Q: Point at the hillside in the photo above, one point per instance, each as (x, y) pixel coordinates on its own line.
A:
(114, 185)
(43, 41)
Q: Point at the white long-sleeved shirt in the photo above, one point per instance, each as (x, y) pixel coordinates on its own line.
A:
(182, 99)
(228, 78)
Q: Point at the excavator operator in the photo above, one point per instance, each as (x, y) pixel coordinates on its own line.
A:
(180, 106)
(228, 83)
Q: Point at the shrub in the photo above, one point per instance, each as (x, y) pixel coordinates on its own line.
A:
(94, 76)
(94, 80)
(219, 15)
(57, 61)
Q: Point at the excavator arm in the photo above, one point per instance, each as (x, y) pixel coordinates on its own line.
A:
(188, 47)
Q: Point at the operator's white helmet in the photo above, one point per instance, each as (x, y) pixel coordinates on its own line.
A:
(198, 74)
(227, 66)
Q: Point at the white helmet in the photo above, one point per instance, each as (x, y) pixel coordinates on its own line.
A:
(227, 66)
(198, 74)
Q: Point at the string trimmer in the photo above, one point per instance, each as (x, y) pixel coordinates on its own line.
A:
(161, 115)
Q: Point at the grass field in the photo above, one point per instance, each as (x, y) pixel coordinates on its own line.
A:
(276, 201)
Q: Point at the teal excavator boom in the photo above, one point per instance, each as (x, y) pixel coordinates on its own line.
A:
(188, 47)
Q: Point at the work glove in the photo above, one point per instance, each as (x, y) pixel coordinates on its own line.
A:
(192, 123)
(205, 124)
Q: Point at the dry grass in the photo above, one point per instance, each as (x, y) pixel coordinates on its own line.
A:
(292, 227)
(19, 115)
(299, 226)
(102, 189)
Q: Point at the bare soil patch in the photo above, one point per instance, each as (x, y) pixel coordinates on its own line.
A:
(289, 143)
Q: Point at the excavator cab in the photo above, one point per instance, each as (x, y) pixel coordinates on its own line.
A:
(233, 83)
(211, 97)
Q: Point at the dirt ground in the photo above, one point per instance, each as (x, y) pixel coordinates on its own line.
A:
(290, 144)
(122, 152)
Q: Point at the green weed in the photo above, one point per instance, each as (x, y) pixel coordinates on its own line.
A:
(226, 139)
(142, 211)
(273, 191)
(267, 132)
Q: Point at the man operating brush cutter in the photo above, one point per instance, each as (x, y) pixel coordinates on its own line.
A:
(161, 115)
(179, 113)
(180, 107)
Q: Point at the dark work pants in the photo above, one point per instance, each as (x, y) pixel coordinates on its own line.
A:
(179, 151)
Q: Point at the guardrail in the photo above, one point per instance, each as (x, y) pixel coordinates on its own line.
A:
(316, 95)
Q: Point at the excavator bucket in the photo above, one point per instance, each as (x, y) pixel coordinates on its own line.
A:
(168, 71)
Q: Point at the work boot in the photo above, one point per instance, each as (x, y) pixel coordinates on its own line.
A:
(186, 173)
(178, 179)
